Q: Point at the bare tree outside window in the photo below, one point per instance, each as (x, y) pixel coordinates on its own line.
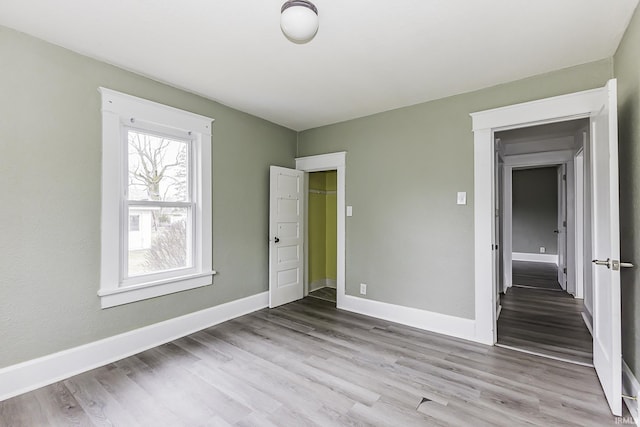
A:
(158, 171)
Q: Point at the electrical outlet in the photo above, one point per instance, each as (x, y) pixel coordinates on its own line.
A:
(543, 249)
(363, 288)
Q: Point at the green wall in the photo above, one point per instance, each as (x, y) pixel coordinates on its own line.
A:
(50, 164)
(627, 71)
(535, 210)
(407, 239)
(322, 227)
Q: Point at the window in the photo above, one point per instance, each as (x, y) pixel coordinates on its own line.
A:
(156, 200)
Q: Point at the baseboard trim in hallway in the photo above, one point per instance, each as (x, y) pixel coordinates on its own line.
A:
(536, 287)
(547, 356)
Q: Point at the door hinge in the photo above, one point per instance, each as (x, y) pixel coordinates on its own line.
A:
(564, 270)
(564, 177)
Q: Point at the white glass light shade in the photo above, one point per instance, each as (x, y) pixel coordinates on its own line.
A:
(299, 21)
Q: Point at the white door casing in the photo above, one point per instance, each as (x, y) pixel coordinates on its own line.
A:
(286, 237)
(562, 226)
(324, 162)
(579, 224)
(600, 105)
(607, 351)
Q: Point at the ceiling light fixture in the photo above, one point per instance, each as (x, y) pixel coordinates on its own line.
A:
(299, 20)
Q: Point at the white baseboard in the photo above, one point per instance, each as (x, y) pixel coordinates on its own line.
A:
(521, 256)
(421, 319)
(630, 387)
(322, 283)
(36, 373)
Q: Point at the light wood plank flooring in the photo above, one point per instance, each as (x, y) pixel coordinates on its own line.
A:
(542, 319)
(308, 364)
(326, 293)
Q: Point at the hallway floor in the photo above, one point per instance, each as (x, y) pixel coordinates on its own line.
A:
(543, 319)
(536, 274)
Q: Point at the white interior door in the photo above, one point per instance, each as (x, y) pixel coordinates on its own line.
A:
(286, 238)
(607, 353)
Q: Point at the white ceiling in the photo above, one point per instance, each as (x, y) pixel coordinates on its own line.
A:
(368, 56)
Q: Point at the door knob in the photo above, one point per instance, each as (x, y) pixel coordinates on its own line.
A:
(276, 240)
(613, 264)
(606, 263)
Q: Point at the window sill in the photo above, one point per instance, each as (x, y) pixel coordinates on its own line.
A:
(126, 295)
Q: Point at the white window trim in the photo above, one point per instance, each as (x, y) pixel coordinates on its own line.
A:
(117, 111)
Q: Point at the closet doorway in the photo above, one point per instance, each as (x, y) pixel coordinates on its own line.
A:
(322, 232)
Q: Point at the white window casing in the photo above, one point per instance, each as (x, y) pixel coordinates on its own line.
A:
(119, 113)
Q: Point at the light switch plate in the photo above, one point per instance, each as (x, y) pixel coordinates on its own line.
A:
(462, 197)
(349, 210)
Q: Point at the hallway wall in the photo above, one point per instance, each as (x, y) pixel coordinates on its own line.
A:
(535, 210)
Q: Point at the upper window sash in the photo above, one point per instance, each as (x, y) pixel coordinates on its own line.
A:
(191, 160)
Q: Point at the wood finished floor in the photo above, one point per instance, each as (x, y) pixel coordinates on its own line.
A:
(543, 320)
(535, 274)
(308, 364)
(326, 293)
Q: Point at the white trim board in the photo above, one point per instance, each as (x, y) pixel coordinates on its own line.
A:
(534, 257)
(630, 387)
(422, 319)
(36, 373)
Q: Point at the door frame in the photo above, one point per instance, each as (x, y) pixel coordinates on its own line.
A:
(579, 184)
(484, 125)
(319, 163)
(522, 161)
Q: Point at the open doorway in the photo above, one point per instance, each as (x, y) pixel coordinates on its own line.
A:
(541, 305)
(322, 235)
(603, 256)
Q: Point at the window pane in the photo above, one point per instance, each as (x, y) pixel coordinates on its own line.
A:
(158, 168)
(134, 222)
(160, 243)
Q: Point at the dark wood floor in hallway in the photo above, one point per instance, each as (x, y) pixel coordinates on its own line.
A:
(540, 317)
(308, 364)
